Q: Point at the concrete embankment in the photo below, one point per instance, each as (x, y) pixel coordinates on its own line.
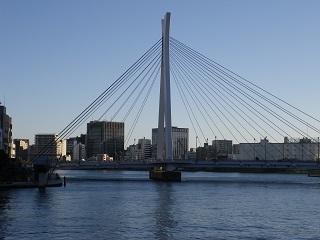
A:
(14, 174)
(12, 171)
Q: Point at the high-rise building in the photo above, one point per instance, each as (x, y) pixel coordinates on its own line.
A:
(6, 131)
(114, 142)
(96, 134)
(105, 138)
(49, 146)
(180, 142)
(22, 148)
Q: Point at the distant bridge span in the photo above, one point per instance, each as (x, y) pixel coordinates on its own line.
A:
(201, 165)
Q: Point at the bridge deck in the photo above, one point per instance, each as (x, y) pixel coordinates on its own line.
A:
(214, 166)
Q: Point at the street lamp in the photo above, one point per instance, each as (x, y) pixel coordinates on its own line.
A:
(254, 149)
(196, 142)
(215, 143)
(318, 149)
(265, 148)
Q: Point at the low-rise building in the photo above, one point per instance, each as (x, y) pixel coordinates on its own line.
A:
(140, 151)
(72, 141)
(49, 146)
(104, 157)
(192, 154)
(291, 149)
(220, 149)
(144, 149)
(22, 148)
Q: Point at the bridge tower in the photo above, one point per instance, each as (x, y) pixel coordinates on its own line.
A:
(166, 171)
(164, 141)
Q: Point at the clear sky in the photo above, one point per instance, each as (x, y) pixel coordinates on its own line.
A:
(57, 56)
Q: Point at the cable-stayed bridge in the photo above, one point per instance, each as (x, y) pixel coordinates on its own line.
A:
(217, 102)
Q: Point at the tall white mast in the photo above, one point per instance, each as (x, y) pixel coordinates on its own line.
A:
(164, 141)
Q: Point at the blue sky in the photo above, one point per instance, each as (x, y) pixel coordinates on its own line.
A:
(57, 56)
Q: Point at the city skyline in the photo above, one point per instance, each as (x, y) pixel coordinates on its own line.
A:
(55, 60)
(159, 119)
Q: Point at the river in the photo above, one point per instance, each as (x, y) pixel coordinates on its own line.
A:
(126, 205)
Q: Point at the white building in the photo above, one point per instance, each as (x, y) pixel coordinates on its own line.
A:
(180, 142)
(294, 149)
(12, 150)
(62, 147)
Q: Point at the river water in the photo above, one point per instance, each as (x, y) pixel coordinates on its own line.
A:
(126, 205)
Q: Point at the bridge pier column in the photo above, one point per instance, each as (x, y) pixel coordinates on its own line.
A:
(167, 172)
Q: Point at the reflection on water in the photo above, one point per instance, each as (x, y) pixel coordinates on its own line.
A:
(164, 211)
(4, 199)
(104, 205)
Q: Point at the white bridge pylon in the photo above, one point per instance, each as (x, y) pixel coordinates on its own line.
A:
(164, 141)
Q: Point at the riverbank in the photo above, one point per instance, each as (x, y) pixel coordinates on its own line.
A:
(14, 174)
(13, 170)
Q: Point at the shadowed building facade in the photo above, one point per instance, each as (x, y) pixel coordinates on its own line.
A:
(50, 146)
(5, 131)
(105, 137)
(22, 148)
